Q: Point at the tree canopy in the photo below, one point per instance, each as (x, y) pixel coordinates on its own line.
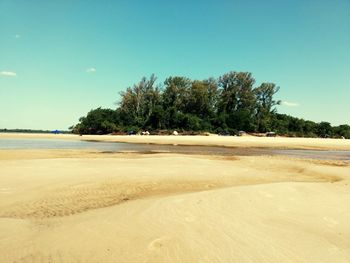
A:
(227, 104)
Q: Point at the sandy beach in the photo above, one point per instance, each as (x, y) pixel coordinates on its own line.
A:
(88, 206)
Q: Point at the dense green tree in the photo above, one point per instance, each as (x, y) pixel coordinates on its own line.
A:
(175, 92)
(139, 102)
(342, 131)
(236, 92)
(309, 129)
(324, 129)
(201, 99)
(265, 105)
(98, 121)
(174, 99)
(224, 105)
(237, 100)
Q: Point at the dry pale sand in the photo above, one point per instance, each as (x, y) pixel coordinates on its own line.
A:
(214, 140)
(78, 206)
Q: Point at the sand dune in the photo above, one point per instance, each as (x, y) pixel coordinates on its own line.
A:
(79, 206)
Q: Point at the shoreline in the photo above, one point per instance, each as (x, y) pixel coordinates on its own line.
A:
(214, 140)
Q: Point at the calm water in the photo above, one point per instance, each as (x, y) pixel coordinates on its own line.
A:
(149, 148)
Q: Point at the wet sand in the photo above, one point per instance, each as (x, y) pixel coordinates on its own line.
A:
(214, 140)
(88, 206)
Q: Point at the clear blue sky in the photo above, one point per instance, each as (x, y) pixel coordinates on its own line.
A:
(59, 59)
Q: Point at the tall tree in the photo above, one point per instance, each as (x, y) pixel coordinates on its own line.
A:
(202, 98)
(175, 97)
(324, 129)
(175, 92)
(139, 102)
(237, 100)
(265, 105)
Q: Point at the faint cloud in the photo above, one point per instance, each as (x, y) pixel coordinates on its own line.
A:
(17, 36)
(8, 74)
(91, 70)
(290, 104)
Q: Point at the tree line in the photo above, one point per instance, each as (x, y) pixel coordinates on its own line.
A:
(5, 130)
(224, 105)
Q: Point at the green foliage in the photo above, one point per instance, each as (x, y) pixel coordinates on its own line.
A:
(342, 131)
(225, 105)
(98, 121)
(324, 129)
(265, 105)
(138, 103)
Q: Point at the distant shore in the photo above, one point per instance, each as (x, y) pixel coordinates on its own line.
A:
(213, 140)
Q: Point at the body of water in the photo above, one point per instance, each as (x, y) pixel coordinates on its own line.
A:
(181, 149)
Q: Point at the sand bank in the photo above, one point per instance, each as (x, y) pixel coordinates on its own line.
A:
(214, 140)
(83, 206)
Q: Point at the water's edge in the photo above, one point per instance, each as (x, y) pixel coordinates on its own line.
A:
(10, 144)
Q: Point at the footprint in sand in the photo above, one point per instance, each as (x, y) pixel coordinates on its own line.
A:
(158, 243)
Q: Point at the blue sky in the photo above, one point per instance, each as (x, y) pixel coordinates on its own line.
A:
(59, 59)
